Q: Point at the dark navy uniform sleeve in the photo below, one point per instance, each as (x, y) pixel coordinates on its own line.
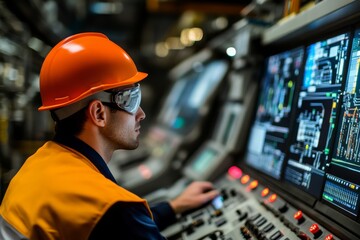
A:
(163, 215)
(132, 221)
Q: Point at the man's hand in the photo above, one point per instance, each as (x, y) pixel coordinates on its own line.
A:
(195, 195)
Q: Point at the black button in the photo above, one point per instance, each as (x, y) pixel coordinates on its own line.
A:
(276, 235)
(268, 227)
(238, 212)
(243, 216)
(284, 208)
(220, 222)
(254, 217)
(233, 192)
(261, 222)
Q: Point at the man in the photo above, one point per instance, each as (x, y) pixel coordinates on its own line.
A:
(65, 190)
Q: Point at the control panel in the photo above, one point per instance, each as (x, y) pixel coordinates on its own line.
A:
(245, 209)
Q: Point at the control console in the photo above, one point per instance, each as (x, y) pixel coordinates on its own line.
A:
(245, 209)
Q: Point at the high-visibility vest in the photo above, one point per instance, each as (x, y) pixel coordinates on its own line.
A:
(59, 194)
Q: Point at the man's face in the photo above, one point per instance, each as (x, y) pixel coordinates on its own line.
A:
(123, 129)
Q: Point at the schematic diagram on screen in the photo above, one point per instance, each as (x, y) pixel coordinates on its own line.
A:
(316, 113)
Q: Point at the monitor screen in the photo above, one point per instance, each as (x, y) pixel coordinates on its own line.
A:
(204, 160)
(342, 184)
(190, 92)
(316, 114)
(268, 136)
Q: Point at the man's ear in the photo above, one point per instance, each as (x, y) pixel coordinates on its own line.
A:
(97, 113)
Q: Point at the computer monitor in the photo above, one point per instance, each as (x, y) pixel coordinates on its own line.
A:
(269, 133)
(316, 114)
(190, 93)
(342, 180)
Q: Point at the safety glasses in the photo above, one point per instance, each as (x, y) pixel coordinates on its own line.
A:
(126, 99)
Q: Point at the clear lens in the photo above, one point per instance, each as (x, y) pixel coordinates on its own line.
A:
(128, 99)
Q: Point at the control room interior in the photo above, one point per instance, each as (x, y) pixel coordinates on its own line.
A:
(257, 96)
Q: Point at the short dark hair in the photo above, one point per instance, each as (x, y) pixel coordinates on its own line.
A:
(72, 125)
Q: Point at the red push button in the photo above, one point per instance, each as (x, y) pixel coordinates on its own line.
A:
(315, 229)
(329, 237)
(253, 185)
(265, 192)
(272, 198)
(299, 217)
(245, 179)
(235, 172)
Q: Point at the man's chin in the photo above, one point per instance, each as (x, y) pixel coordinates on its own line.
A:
(134, 146)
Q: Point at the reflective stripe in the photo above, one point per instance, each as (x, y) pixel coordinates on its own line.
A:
(7, 232)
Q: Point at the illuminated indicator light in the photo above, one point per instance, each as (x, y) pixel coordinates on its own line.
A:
(253, 184)
(145, 171)
(265, 192)
(179, 123)
(290, 84)
(309, 89)
(314, 228)
(327, 151)
(328, 94)
(334, 105)
(281, 106)
(334, 95)
(298, 215)
(307, 146)
(235, 172)
(272, 198)
(329, 237)
(231, 51)
(352, 186)
(245, 179)
(330, 199)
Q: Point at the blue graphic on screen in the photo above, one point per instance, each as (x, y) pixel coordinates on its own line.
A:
(267, 144)
(316, 114)
(343, 179)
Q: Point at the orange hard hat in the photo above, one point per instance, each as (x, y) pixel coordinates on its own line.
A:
(82, 65)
